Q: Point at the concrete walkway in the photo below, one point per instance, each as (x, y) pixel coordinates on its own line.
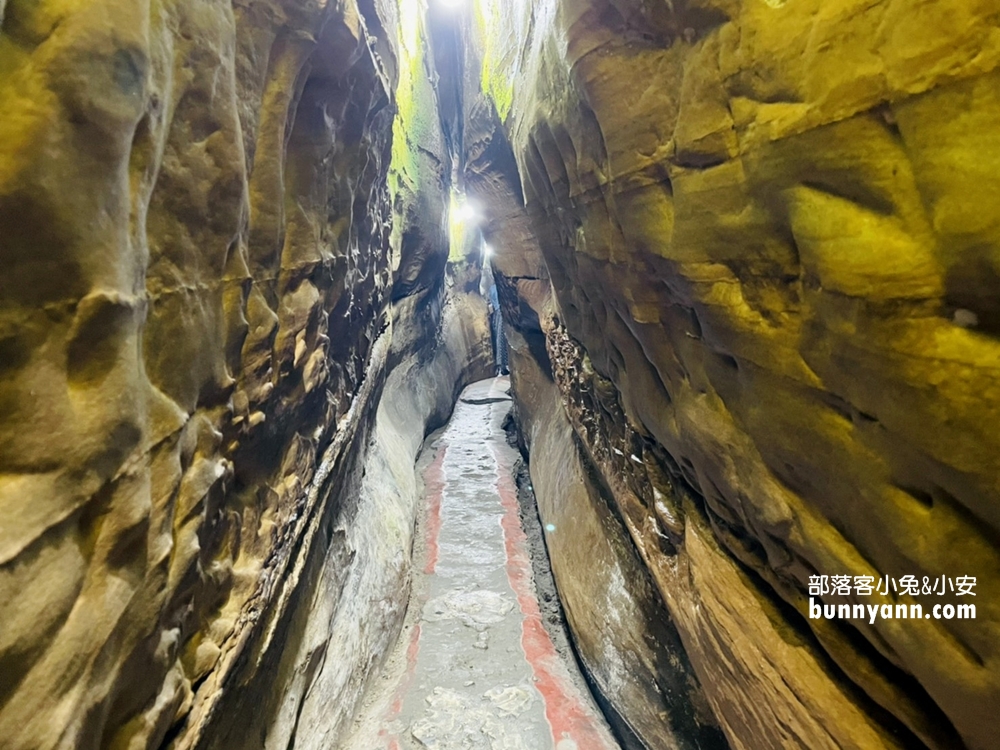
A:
(475, 667)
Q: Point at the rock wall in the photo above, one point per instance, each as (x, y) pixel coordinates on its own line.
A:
(622, 631)
(203, 299)
(755, 246)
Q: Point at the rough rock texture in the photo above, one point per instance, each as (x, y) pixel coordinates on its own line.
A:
(622, 631)
(196, 326)
(755, 246)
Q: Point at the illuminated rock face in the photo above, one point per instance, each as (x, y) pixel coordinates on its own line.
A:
(195, 335)
(758, 259)
(749, 255)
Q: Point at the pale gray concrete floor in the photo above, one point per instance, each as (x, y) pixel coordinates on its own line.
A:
(474, 668)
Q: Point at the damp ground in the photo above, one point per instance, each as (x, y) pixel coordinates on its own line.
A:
(483, 660)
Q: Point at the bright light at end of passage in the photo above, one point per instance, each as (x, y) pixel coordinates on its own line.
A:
(487, 250)
(466, 211)
(451, 3)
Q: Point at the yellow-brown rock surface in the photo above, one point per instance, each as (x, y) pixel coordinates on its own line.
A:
(762, 241)
(195, 330)
(750, 245)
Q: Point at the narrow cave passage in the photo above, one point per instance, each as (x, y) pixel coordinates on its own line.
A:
(743, 257)
(475, 665)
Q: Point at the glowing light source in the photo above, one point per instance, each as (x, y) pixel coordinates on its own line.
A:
(466, 211)
(450, 3)
(487, 250)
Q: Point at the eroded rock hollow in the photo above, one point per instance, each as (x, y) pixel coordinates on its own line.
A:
(747, 255)
(218, 357)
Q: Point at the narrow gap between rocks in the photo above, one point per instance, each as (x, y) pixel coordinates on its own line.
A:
(483, 659)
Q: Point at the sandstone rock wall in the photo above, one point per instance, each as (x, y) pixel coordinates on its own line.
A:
(756, 246)
(196, 326)
(624, 635)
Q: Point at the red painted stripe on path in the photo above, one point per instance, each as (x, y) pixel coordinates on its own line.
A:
(434, 488)
(565, 712)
